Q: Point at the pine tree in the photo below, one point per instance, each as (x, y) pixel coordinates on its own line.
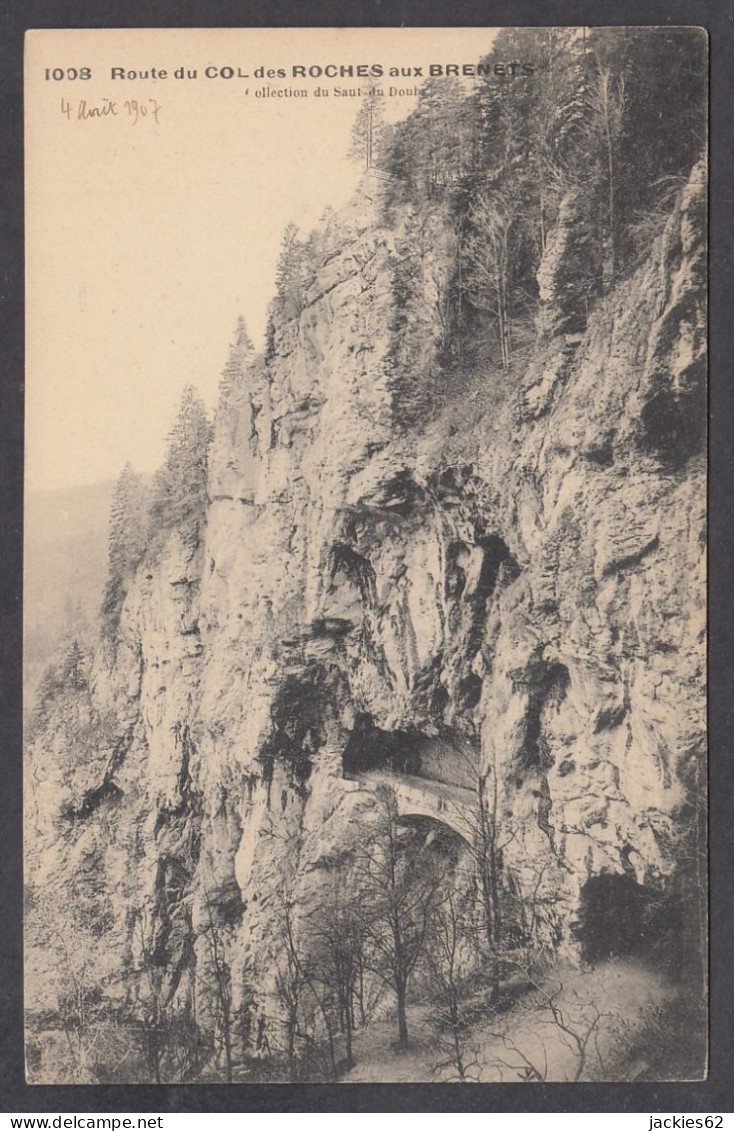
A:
(429, 153)
(49, 687)
(444, 131)
(65, 675)
(235, 388)
(179, 494)
(289, 275)
(126, 544)
(73, 664)
(240, 358)
(368, 130)
(127, 536)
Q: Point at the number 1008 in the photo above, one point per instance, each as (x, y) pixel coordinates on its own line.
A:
(61, 73)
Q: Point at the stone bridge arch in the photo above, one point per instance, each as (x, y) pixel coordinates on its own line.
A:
(417, 797)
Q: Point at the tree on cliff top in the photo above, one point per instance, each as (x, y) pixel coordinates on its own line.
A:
(368, 130)
(126, 544)
(289, 274)
(179, 495)
(64, 679)
(241, 355)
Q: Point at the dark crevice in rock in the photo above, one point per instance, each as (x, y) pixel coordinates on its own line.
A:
(107, 790)
(496, 556)
(178, 839)
(452, 483)
(470, 691)
(172, 930)
(346, 561)
(402, 492)
(92, 800)
(371, 748)
(399, 496)
(173, 877)
(601, 454)
(674, 423)
(631, 560)
(610, 717)
(301, 706)
(225, 905)
(427, 690)
(440, 700)
(187, 582)
(544, 807)
(188, 800)
(327, 290)
(547, 685)
(446, 757)
(455, 574)
(334, 627)
(498, 568)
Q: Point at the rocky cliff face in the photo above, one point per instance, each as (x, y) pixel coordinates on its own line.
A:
(512, 591)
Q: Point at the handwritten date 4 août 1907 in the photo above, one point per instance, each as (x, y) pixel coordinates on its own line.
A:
(132, 108)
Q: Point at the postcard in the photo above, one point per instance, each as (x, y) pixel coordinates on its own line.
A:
(365, 533)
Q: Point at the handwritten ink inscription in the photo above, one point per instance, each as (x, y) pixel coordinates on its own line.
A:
(132, 109)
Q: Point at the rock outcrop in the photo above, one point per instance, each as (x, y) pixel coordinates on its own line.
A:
(519, 595)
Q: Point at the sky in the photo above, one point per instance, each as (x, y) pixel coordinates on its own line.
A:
(145, 239)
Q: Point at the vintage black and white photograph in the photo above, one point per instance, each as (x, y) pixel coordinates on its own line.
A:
(365, 534)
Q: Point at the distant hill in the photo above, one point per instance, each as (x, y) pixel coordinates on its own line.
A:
(65, 563)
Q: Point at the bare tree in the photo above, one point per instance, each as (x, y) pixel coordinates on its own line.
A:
(337, 943)
(572, 1022)
(307, 1006)
(449, 929)
(221, 976)
(398, 892)
(487, 278)
(153, 1017)
(183, 1043)
(75, 1009)
(535, 907)
(98, 1038)
(486, 837)
(607, 103)
(289, 988)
